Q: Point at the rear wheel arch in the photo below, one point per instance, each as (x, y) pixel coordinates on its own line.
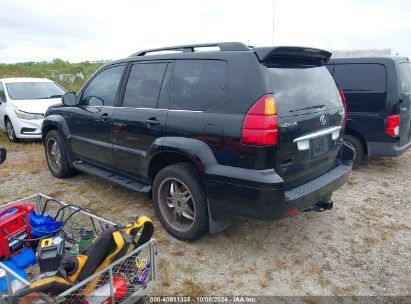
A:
(165, 159)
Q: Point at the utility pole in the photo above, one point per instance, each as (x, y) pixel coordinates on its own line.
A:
(272, 35)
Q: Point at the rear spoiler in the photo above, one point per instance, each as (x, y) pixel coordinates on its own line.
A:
(266, 53)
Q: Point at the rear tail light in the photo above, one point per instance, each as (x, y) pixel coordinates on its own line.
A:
(260, 123)
(393, 125)
(344, 101)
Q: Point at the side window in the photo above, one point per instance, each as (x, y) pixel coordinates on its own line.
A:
(361, 77)
(405, 77)
(143, 86)
(198, 84)
(104, 86)
(2, 94)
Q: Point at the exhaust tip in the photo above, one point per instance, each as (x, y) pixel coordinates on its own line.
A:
(321, 207)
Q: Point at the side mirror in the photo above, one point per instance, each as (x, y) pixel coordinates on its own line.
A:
(3, 154)
(69, 99)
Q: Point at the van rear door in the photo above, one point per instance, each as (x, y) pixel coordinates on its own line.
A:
(405, 103)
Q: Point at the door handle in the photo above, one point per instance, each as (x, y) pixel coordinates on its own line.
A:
(104, 117)
(403, 109)
(152, 122)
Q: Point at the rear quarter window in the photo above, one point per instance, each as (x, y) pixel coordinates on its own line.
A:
(198, 85)
(361, 77)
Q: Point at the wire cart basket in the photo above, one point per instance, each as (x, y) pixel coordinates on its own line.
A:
(126, 280)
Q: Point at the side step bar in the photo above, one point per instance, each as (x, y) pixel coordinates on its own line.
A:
(112, 177)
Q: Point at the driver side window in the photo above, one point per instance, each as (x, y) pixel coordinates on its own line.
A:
(103, 87)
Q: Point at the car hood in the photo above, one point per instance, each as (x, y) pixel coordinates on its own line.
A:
(35, 106)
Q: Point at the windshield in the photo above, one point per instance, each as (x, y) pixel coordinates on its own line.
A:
(34, 90)
(302, 88)
(405, 74)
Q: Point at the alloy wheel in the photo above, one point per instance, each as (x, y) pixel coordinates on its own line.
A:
(10, 130)
(54, 154)
(176, 204)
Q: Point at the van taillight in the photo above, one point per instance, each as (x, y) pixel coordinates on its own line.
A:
(260, 123)
(393, 125)
(344, 101)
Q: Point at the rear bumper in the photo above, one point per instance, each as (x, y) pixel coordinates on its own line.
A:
(265, 198)
(386, 149)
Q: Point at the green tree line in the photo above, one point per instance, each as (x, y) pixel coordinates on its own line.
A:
(69, 75)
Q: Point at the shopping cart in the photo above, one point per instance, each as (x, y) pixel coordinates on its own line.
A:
(123, 281)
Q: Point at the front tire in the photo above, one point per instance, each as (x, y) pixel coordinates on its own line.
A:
(56, 155)
(11, 134)
(359, 149)
(180, 201)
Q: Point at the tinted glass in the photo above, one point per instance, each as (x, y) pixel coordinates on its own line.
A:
(198, 84)
(300, 88)
(33, 90)
(104, 86)
(143, 86)
(405, 75)
(2, 94)
(361, 77)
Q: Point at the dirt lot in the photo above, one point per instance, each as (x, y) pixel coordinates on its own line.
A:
(361, 247)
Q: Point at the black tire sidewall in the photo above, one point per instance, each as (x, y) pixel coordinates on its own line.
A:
(189, 175)
(65, 169)
(359, 149)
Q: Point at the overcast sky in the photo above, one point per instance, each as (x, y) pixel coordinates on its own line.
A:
(91, 30)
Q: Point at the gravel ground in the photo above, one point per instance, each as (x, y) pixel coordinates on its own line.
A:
(361, 247)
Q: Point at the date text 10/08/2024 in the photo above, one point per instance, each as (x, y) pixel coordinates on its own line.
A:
(203, 299)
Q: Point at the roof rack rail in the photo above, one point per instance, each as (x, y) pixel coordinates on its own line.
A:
(223, 46)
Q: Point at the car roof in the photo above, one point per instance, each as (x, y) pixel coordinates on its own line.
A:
(24, 79)
(368, 59)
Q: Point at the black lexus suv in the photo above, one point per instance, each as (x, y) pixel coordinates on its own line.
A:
(210, 132)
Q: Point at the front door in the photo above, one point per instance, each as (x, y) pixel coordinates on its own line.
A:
(139, 122)
(90, 122)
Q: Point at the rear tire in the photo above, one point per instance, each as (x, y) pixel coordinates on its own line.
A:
(56, 155)
(359, 149)
(10, 131)
(180, 201)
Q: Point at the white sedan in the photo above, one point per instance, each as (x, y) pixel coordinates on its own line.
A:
(23, 103)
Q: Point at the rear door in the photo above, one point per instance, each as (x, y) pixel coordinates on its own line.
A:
(310, 117)
(138, 122)
(405, 103)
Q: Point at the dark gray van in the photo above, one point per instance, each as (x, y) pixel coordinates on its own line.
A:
(378, 94)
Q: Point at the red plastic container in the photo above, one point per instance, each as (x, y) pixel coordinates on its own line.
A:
(11, 220)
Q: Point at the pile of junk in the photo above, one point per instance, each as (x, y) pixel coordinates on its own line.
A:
(53, 252)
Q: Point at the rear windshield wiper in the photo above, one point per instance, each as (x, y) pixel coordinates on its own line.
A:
(312, 107)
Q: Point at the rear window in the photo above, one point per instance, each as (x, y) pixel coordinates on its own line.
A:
(198, 85)
(33, 90)
(405, 75)
(302, 88)
(361, 77)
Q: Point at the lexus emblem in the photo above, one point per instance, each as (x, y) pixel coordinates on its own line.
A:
(323, 121)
